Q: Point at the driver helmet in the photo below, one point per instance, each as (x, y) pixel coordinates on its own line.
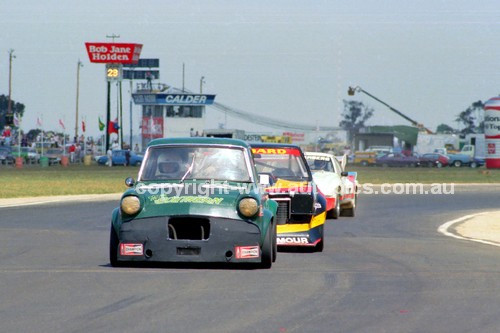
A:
(169, 164)
(319, 164)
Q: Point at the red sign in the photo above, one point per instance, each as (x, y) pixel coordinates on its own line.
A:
(491, 149)
(295, 136)
(152, 127)
(120, 53)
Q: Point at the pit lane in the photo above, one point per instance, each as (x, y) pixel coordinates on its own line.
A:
(385, 270)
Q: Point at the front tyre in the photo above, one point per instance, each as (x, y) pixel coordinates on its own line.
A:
(320, 246)
(113, 249)
(350, 212)
(275, 243)
(267, 249)
(336, 211)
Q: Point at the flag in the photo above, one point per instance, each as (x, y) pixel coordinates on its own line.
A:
(101, 125)
(38, 122)
(16, 120)
(83, 126)
(62, 124)
(113, 127)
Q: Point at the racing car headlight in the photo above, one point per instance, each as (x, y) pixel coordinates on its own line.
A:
(130, 205)
(248, 207)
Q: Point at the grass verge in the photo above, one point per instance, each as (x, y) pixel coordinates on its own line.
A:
(32, 181)
(380, 175)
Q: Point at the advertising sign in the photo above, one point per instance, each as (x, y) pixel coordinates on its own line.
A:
(152, 127)
(119, 53)
(173, 99)
(492, 132)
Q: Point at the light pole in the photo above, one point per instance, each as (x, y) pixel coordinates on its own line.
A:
(78, 66)
(9, 105)
(202, 81)
(351, 91)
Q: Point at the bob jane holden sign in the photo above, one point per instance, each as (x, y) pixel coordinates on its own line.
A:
(492, 132)
(116, 53)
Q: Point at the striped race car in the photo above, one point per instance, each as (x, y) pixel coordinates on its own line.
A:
(301, 212)
(337, 185)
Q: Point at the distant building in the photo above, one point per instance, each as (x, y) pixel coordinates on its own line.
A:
(170, 112)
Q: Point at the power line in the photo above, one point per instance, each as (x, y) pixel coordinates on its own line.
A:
(270, 122)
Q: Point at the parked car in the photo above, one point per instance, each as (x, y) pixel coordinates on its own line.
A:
(380, 150)
(458, 160)
(431, 160)
(27, 153)
(118, 158)
(365, 158)
(54, 155)
(6, 156)
(164, 218)
(398, 160)
(477, 162)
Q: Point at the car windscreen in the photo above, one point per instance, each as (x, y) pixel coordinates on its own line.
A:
(320, 163)
(285, 163)
(196, 162)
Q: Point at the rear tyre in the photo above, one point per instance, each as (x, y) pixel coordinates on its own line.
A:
(473, 165)
(457, 164)
(364, 163)
(439, 164)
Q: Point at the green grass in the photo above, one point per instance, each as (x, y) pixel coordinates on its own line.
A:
(79, 179)
(379, 175)
(57, 180)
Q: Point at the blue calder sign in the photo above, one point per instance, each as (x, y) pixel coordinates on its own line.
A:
(173, 99)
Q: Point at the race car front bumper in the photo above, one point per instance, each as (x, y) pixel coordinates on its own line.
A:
(189, 239)
(305, 234)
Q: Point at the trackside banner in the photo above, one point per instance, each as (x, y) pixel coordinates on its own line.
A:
(119, 53)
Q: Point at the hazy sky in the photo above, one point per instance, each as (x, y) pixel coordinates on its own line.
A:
(284, 59)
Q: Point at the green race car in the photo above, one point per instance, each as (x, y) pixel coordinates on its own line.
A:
(195, 200)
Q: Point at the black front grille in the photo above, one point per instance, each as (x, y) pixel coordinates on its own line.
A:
(191, 228)
(283, 212)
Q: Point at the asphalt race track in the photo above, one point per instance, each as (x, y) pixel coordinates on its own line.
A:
(386, 270)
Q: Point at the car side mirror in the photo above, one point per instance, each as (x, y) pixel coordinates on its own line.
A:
(129, 182)
(264, 180)
(344, 173)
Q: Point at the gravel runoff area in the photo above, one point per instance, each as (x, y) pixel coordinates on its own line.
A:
(484, 227)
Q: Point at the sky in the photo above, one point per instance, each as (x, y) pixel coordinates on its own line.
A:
(291, 60)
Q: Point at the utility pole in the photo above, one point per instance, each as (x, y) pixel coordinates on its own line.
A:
(202, 80)
(108, 108)
(113, 36)
(78, 66)
(121, 113)
(183, 71)
(9, 107)
(131, 87)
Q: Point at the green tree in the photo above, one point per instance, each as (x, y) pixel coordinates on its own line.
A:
(355, 116)
(472, 118)
(445, 129)
(4, 107)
